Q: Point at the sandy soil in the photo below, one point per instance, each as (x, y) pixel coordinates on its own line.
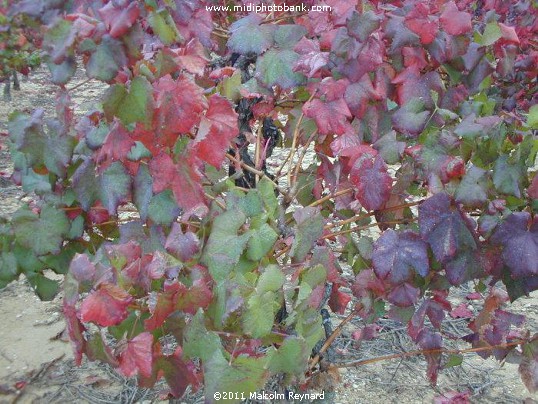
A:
(36, 364)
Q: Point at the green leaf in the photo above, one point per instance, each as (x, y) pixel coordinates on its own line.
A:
(532, 118)
(42, 234)
(224, 246)
(164, 26)
(8, 268)
(135, 105)
(275, 67)
(115, 186)
(287, 35)
(138, 152)
(143, 190)
(163, 208)
(507, 177)
(44, 287)
(472, 189)
(270, 280)
(198, 342)
(106, 60)
(85, 184)
(291, 357)
(308, 229)
(244, 375)
(492, 33)
(267, 192)
(249, 36)
(453, 360)
(261, 242)
(260, 314)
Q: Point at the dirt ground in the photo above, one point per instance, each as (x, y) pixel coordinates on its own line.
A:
(36, 362)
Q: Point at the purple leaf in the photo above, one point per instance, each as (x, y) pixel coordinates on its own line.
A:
(397, 256)
(444, 227)
(182, 245)
(373, 182)
(518, 235)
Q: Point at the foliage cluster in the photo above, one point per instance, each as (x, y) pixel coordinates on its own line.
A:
(18, 47)
(420, 120)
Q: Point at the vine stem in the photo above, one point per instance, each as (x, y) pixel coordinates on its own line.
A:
(338, 330)
(254, 171)
(79, 85)
(357, 228)
(294, 141)
(331, 195)
(295, 135)
(427, 352)
(300, 160)
(365, 215)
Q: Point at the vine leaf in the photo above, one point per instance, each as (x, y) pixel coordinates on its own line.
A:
(308, 229)
(136, 355)
(115, 186)
(420, 21)
(178, 374)
(105, 306)
(372, 180)
(275, 67)
(133, 105)
(518, 235)
(43, 233)
(179, 103)
(216, 130)
(183, 246)
(248, 35)
(106, 60)
(455, 22)
(397, 256)
(243, 374)
(444, 227)
(330, 117)
(119, 19)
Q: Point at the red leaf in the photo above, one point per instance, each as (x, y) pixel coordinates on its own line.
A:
(373, 182)
(452, 397)
(331, 117)
(119, 20)
(455, 22)
(137, 356)
(75, 330)
(180, 104)
(197, 296)
(106, 306)
(421, 23)
(216, 131)
(163, 171)
(193, 57)
(81, 268)
(338, 300)
(182, 245)
(187, 187)
(166, 302)
(404, 295)
(533, 188)
(462, 311)
(178, 373)
(183, 178)
(116, 146)
(358, 95)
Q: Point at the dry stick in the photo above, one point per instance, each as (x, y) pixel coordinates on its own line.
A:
(254, 171)
(280, 18)
(257, 152)
(365, 215)
(338, 330)
(327, 197)
(301, 157)
(294, 141)
(357, 228)
(219, 203)
(79, 85)
(428, 352)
